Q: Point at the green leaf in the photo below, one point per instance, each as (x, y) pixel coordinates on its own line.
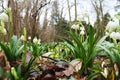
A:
(108, 52)
(101, 40)
(93, 75)
(19, 70)
(7, 51)
(79, 46)
(12, 50)
(14, 44)
(19, 50)
(2, 24)
(2, 73)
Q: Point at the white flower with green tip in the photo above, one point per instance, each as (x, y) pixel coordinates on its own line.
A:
(36, 41)
(82, 28)
(29, 38)
(82, 32)
(22, 38)
(115, 35)
(76, 27)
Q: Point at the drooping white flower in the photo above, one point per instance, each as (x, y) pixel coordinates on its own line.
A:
(4, 31)
(82, 32)
(112, 35)
(4, 17)
(29, 38)
(76, 27)
(107, 33)
(82, 28)
(115, 35)
(73, 26)
(111, 26)
(36, 41)
(39, 41)
(22, 38)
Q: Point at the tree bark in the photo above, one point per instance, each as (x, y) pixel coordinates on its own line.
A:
(75, 10)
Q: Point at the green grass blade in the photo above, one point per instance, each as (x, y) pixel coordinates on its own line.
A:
(19, 50)
(94, 75)
(7, 52)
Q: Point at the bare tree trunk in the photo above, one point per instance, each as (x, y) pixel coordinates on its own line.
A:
(44, 28)
(16, 18)
(69, 10)
(31, 9)
(101, 20)
(75, 10)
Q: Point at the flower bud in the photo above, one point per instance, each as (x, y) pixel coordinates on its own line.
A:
(14, 73)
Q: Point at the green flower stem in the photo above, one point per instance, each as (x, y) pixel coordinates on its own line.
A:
(11, 30)
(76, 31)
(82, 38)
(24, 54)
(115, 42)
(2, 38)
(25, 46)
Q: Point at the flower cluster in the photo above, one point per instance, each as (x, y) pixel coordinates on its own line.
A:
(82, 31)
(115, 35)
(4, 17)
(111, 26)
(75, 26)
(22, 38)
(36, 41)
(113, 30)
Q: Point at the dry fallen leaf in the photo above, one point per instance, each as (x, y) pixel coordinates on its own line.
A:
(28, 56)
(69, 71)
(77, 64)
(3, 62)
(74, 66)
(116, 69)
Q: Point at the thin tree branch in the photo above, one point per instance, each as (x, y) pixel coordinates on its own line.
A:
(41, 6)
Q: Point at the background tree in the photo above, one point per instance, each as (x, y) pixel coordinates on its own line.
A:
(101, 19)
(57, 19)
(47, 18)
(75, 10)
(69, 12)
(30, 20)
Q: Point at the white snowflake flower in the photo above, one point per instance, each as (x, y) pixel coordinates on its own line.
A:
(115, 35)
(76, 27)
(82, 28)
(82, 32)
(29, 38)
(22, 38)
(35, 40)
